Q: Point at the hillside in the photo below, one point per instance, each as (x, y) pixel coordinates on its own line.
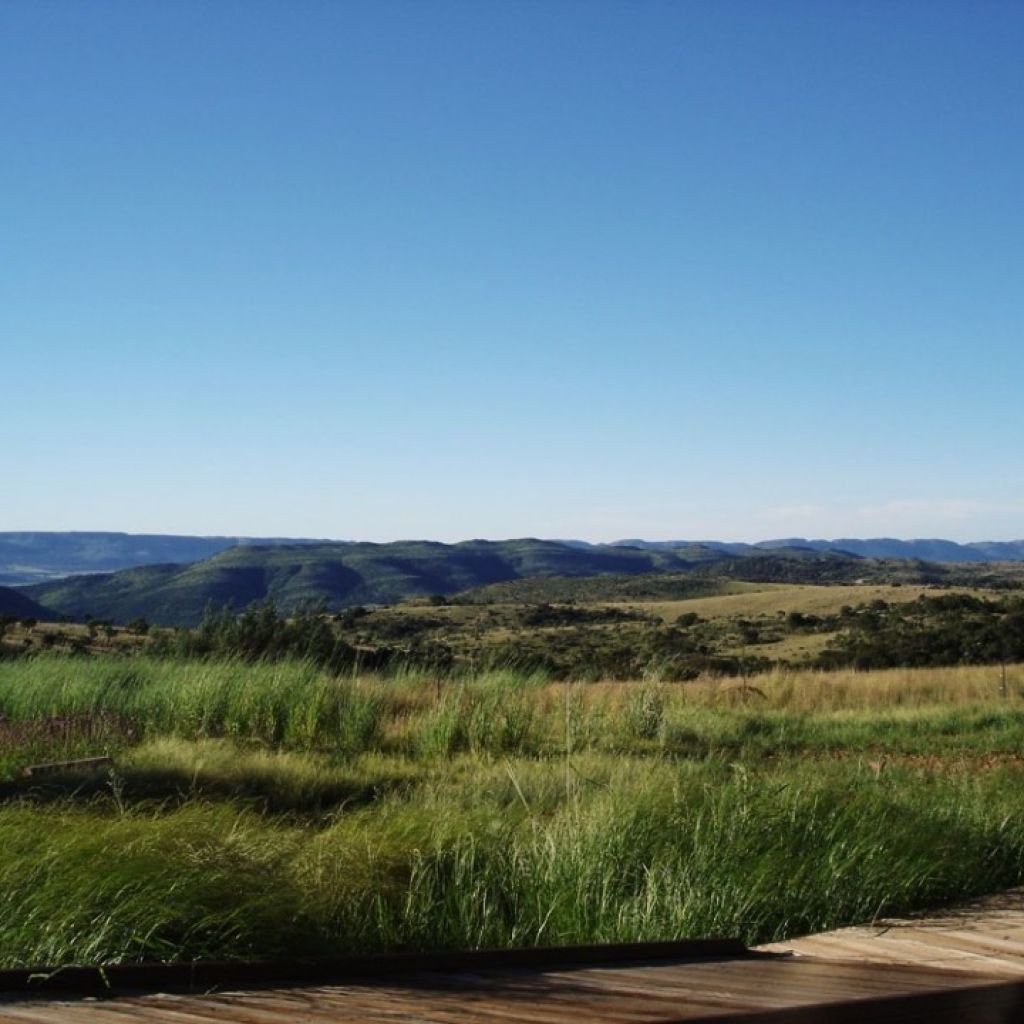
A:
(42, 557)
(341, 575)
(37, 557)
(931, 550)
(663, 586)
(754, 565)
(797, 565)
(345, 574)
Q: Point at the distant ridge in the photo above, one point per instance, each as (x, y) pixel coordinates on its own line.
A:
(341, 575)
(35, 557)
(344, 574)
(930, 550)
(39, 557)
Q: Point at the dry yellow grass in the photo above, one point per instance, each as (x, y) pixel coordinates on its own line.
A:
(807, 691)
(67, 636)
(798, 648)
(799, 691)
(773, 598)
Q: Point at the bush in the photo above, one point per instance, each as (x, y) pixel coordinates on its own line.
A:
(260, 634)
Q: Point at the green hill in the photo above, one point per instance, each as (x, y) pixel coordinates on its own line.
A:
(41, 557)
(709, 572)
(345, 574)
(806, 565)
(28, 558)
(339, 574)
(663, 586)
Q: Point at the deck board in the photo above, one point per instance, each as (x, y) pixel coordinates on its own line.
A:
(718, 990)
(894, 970)
(985, 936)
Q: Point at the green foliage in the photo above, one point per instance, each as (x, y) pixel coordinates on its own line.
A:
(261, 634)
(950, 629)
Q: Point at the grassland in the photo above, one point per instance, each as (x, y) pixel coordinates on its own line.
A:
(493, 631)
(641, 627)
(772, 599)
(271, 809)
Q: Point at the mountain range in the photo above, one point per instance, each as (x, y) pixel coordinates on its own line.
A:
(340, 574)
(344, 574)
(39, 557)
(35, 557)
(933, 550)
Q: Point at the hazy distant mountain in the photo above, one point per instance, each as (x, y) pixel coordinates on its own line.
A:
(885, 547)
(880, 547)
(179, 576)
(346, 574)
(27, 558)
(342, 574)
(37, 557)
(1000, 551)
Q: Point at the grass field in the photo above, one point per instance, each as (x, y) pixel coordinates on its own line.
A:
(751, 599)
(273, 809)
(728, 626)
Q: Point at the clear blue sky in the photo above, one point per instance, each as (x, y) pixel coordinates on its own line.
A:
(432, 269)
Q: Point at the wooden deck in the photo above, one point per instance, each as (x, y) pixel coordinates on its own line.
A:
(737, 989)
(892, 972)
(793, 992)
(986, 936)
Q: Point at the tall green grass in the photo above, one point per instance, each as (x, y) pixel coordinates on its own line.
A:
(291, 703)
(263, 810)
(506, 854)
(295, 705)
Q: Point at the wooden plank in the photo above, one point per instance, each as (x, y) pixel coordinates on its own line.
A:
(341, 1003)
(974, 951)
(70, 1012)
(82, 764)
(199, 1010)
(391, 1005)
(986, 935)
(541, 1002)
(983, 1003)
(999, 1003)
(971, 941)
(718, 985)
(498, 1006)
(889, 950)
(784, 980)
(204, 975)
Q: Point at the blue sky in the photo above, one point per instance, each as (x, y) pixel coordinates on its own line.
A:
(430, 269)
